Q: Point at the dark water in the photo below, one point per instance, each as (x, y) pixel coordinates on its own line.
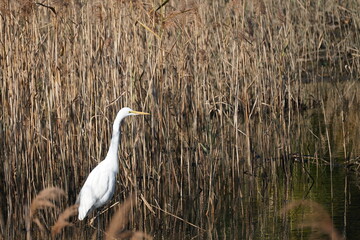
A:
(241, 214)
(338, 192)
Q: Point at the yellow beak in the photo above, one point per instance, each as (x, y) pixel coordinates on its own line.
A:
(139, 113)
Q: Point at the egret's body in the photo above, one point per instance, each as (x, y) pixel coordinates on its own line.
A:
(99, 187)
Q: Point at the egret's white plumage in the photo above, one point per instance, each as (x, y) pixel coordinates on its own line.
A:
(100, 185)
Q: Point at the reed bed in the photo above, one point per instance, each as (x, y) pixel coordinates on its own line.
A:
(230, 86)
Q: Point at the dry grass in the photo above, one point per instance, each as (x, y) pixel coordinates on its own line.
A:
(133, 236)
(117, 226)
(231, 86)
(317, 218)
(43, 200)
(63, 219)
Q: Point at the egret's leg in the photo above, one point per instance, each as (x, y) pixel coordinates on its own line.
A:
(91, 222)
(98, 228)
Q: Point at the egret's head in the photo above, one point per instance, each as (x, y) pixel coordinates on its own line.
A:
(123, 113)
(129, 112)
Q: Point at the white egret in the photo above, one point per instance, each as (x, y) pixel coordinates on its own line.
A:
(100, 185)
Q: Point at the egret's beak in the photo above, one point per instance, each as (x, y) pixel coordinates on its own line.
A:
(139, 113)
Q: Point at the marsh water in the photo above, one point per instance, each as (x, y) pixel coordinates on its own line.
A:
(239, 215)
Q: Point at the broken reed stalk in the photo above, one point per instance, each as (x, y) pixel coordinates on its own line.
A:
(328, 140)
(247, 130)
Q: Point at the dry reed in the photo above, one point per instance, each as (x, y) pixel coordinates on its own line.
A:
(117, 226)
(231, 86)
(317, 218)
(63, 219)
(43, 200)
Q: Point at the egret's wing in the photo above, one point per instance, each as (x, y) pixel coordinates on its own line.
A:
(94, 189)
(110, 189)
(87, 201)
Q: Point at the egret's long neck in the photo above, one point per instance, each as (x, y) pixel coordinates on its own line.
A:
(112, 154)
